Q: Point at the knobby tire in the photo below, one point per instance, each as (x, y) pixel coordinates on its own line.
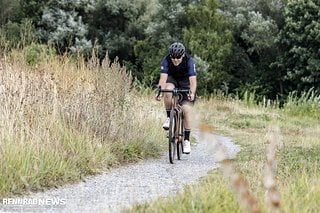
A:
(180, 137)
(172, 136)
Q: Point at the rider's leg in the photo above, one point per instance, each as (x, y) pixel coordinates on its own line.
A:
(186, 107)
(167, 104)
(168, 98)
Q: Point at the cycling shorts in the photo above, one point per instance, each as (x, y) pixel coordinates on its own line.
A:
(181, 84)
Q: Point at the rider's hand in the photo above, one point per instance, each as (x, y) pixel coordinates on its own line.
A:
(160, 94)
(158, 98)
(191, 97)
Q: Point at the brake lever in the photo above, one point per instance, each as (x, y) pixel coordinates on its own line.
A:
(159, 91)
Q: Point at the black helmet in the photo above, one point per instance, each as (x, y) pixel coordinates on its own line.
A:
(176, 49)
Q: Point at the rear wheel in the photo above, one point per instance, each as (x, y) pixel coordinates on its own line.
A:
(172, 136)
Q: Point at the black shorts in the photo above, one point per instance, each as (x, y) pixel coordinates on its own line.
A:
(181, 84)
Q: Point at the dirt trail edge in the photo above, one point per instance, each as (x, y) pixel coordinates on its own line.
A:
(122, 187)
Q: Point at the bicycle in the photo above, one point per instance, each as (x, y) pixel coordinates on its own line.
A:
(176, 126)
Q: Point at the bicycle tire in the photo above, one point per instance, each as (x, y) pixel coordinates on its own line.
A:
(179, 149)
(172, 136)
(180, 138)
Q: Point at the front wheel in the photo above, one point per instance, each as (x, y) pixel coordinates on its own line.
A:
(179, 149)
(172, 136)
(181, 136)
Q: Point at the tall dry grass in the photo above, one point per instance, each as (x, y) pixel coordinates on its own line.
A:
(86, 96)
(63, 118)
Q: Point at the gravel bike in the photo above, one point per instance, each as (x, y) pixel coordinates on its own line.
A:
(176, 126)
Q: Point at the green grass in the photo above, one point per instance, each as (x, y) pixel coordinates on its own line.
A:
(197, 198)
(37, 165)
(300, 193)
(297, 156)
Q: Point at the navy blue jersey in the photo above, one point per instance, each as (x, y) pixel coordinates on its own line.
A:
(184, 70)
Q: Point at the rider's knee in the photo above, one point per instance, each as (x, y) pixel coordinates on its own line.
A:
(186, 108)
(169, 86)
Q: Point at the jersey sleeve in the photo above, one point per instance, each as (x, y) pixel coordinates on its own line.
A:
(192, 67)
(164, 66)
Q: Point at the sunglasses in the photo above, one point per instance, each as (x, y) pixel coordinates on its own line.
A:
(175, 56)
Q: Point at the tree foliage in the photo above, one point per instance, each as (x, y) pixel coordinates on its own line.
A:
(270, 47)
(116, 25)
(33, 10)
(62, 25)
(300, 40)
(255, 26)
(166, 22)
(209, 36)
(9, 11)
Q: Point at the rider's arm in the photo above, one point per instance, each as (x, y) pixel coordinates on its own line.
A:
(163, 80)
(192, 77)
(193, 86)
(163, 76)
(164, 73)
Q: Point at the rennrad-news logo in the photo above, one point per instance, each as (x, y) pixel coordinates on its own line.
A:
(34, 201)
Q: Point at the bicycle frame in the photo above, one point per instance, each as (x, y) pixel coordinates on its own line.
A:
(176, 129)
(178, 108)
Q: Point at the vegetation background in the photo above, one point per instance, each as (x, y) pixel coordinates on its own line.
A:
(76, 80)
(270, 47)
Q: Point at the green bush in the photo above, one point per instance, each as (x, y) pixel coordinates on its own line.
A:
(17, 35)
(35, 53)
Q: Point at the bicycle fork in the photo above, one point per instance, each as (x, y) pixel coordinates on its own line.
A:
(179, 130)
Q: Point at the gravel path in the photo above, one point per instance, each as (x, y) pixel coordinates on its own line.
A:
(124, 186)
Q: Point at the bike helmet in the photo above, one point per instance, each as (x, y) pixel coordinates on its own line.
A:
(176, 49)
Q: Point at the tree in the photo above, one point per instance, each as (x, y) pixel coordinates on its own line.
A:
(33, 10)
(300, 42)
(168, 22)
(62, 25)
(116, 25)
(165, 23)
(209, 36)
(9, 10)
(255, 26)
(260, 37)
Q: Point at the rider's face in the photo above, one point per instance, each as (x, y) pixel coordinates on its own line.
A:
(176, 60)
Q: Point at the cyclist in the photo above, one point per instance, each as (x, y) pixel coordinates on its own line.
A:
(178, 71)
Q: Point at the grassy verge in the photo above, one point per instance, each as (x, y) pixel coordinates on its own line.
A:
(197, 198)
(62, 119)
(295, 160)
